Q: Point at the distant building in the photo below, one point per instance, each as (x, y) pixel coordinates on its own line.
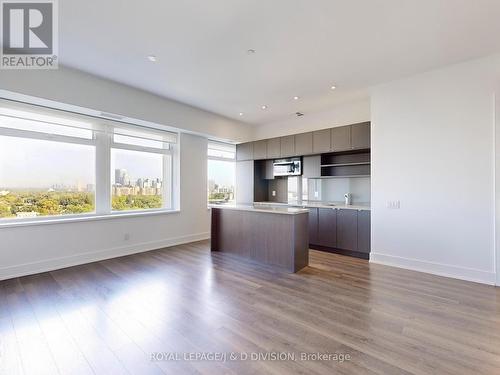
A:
(3, 193)
(120, 176)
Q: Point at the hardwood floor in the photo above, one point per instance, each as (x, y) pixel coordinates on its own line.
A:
(110, 317)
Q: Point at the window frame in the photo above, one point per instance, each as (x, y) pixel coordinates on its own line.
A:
(226, 159)
(102, 141)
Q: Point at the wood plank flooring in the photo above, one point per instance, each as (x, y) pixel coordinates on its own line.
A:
(111, 317)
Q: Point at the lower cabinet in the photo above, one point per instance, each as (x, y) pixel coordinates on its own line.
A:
(313, 226)
(327, 227)
(364, 244)
(347, 230)
(341, 229)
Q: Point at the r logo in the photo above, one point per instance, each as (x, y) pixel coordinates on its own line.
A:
(27, 28)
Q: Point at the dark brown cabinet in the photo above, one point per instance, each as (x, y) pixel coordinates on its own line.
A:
(360, 135)
(303, 144)
(364, 231)
(327, 227)
(321, 141)
(313, 226)
(268, 170)
(260, 150)
(273, 148)
(288, 146)
(311, 166)
(347, 229)
(341, 138)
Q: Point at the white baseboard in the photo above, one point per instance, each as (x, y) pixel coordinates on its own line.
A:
(439, 269)
(94, 256)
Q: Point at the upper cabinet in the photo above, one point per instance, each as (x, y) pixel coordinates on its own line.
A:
(260, 150)
(360, 135)
(311, 166)
(273, 148)
(321, 141)
(244, 151)
(288, 146)
(341, 138)
(303, 144)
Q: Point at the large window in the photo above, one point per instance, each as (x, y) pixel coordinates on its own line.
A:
(221, 171)
(53, 164)
(140, 171)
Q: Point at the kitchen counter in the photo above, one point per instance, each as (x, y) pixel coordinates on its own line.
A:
(274, 209)
(317, 204)
(276, 236)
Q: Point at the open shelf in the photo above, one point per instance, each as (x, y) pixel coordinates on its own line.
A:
(346, 164)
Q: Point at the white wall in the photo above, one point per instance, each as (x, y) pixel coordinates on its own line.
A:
(31, 249)
(344, 114)
(244, 182)
(497, 181)
(77, 88)
(433, 149)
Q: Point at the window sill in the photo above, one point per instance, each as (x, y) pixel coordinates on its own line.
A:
(76, 219)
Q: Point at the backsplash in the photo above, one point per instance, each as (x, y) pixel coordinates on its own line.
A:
(333, 189)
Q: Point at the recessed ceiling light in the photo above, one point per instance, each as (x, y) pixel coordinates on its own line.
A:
(333, 87)
(264, 107)
(251, 51)
(152, 58)
(241, 113)
(296, 98)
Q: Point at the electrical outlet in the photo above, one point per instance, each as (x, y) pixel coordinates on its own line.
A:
(274, 193)
(316, 194)
(126, 237)
(393, 205)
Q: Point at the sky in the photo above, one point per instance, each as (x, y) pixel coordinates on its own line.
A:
(222, 172)
(30, 163)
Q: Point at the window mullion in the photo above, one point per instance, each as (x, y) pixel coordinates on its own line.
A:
(103, 173)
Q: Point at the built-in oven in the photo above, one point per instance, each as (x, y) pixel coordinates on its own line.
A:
(287, 167)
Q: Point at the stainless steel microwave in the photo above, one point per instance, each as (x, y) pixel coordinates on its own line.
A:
(287, 167)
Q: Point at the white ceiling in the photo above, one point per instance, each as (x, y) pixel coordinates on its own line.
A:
(302, 47)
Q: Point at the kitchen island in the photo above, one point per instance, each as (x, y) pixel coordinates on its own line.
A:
(276, 236)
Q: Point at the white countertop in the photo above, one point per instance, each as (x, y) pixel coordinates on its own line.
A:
(318, 204)
(274, 209)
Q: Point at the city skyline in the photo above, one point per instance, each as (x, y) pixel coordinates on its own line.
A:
(36, 164)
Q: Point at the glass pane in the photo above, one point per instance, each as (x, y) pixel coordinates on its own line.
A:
(45, 178)
(20, 120)
(221, 154)
(221, 150)
(220, 181)
(138, 138)
(137, 180)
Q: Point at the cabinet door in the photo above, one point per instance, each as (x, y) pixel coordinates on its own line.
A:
(360, 134)
(303, 144)
(260, 150)
(341, 138)
(269, 173)
(273, 148)
(244, 151)
(364, 231)
(313, 226)
(347, 229)
(321, 141)
(287, 146)
(311, 166)
(327, 227)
